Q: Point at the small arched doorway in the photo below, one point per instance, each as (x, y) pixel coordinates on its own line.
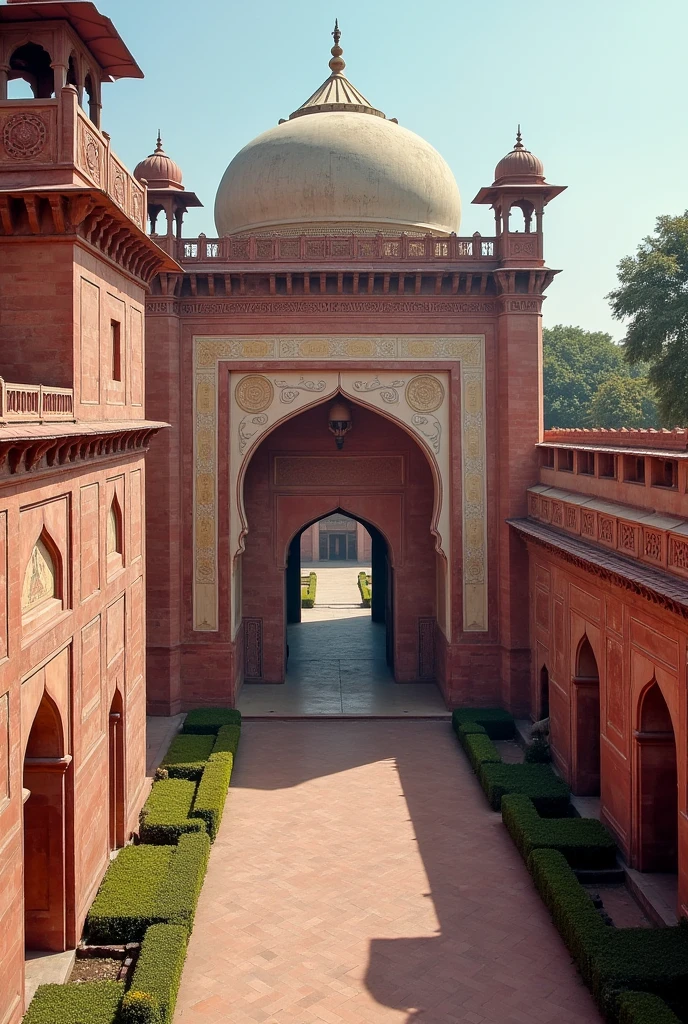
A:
(657, 800)
(116, 772)
(45, 768)
(585, 695)
(350, 601)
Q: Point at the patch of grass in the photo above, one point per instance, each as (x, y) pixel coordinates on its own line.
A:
(498, 724)
(153, 992)
(187, 755)
(166, 813)
(549, 793)
(209, 721)
(93, 1002)
(127, 901)
(584, 842)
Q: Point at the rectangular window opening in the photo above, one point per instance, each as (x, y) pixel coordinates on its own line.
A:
(586, 463)
(634, 469)
(547, 458)
(565, 459)
(664, 473)
(116, 349)
(606, 465)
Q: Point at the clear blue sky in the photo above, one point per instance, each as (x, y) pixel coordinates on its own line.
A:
(599, 86)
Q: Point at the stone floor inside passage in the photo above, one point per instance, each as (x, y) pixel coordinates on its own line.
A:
(359, 876)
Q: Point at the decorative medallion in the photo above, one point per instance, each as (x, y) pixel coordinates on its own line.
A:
(23, 136)
(92, 156)
(424, 393)
(254, 393)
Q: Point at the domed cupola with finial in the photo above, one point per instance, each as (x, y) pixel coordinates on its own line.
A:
(519, 166)
(166, 194)
(337, 165)
(159, 170)
(518, 196)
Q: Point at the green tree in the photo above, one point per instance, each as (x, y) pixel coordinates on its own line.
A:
(575, 364)
(622, 401)
(653, 296)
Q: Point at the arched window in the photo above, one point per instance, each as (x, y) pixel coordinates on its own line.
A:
(92, 97)
(524, 222)
(31, 63)
(114, 536)
(586, 721)
(657, 784)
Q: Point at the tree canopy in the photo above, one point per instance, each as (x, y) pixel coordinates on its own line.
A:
(653, 296)
(577, 364)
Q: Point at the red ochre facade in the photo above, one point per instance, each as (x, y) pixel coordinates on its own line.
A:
(566, 597)
(75, 267)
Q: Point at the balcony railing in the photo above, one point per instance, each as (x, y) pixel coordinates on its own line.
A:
(335, 248)
(35, 403)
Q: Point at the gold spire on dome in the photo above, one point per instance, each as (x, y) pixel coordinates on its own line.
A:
(337, 92)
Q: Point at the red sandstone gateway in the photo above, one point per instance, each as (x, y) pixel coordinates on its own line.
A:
(337, 298)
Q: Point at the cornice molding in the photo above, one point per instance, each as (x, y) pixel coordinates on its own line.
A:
(651, 584)
(30, 452)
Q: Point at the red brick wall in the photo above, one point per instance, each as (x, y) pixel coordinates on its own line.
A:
(90, 642)
(633, 643)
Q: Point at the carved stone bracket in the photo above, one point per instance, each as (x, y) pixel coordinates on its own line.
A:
(27, 454)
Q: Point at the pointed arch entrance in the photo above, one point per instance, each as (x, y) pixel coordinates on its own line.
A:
(585, 694)
(657, 787)
(381, 478)
(45, 827)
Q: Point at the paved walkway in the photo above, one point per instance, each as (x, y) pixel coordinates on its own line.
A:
(337, 663)
(360, 878)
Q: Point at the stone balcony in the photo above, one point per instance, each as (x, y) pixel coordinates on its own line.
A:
(52, 143)
(35, 403)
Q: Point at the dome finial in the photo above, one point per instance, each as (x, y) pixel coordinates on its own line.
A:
(158, 144)
(337, 64)
(519, 139)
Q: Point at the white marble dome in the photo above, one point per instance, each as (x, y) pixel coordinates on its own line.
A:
(333, 171)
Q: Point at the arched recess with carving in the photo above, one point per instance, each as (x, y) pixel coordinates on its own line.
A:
(585, 707)
(114, 536)
(42, 596)
(32, 63)
(656, 787)
(45, 830)
(116, 772)
(297, 476)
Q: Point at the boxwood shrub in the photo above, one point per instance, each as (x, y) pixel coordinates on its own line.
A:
(308, 591)
(480, 749)
(208, 721)
(166, 813)
(498, 724)
(610, 959)
(365, 589)
(212, 791)
(127, 901)
(92, 1002)
(468, 729)
(181, 886)
(643, 1008)
(153, 992)
(549, 793)
(227, 739)
(584, 842)
(186, 756)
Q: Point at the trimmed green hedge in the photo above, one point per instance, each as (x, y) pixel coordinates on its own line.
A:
(92, 1002)
(127, 901)
(365, 589)
(643, 1008)
(181, 887)
(148, 885)
(308, 592)
(227, 739)
(208, 721)
(480, 750)
(584, 842)
(549, 793)
(166, 813)
(212, 791)
(498, 724)
(154, 986)
(610, 959)
(187, 755)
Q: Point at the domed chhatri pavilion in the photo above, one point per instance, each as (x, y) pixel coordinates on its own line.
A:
(336, 354)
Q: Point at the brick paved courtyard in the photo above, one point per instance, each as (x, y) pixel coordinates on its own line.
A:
(359, 877)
